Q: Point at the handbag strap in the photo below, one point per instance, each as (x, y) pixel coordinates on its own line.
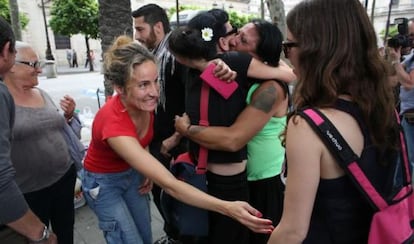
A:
(203, 152)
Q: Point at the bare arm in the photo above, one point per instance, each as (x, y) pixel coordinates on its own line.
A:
(302, 183)
(405, 79)
(267, 99)
(260, 70)
(308, 161)
(133, 153)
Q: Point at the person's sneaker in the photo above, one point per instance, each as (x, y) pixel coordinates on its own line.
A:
(166, 240)
(79, 200)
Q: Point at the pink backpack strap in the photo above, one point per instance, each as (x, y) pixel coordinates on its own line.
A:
(345, 156)
(203, 152)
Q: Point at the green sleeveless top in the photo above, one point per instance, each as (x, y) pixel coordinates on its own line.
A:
(264, 150)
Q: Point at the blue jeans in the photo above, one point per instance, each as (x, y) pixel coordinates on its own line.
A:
(409, 137)
(123, 214)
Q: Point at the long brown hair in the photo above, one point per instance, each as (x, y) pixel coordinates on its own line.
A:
(338, 54)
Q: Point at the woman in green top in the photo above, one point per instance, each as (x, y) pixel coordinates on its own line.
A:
(258, 126)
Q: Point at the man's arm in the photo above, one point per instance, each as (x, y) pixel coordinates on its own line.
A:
(406, 79)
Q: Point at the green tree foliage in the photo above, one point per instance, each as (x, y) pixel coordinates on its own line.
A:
(392, 31)
(70, 17)
(238, 20)
(5, 13)
(172, 10)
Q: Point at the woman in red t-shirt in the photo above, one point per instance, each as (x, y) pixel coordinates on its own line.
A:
(117, 163)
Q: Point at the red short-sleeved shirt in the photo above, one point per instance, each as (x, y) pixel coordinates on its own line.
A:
(112, 120)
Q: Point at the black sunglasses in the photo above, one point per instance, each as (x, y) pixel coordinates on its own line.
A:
(287, 45)
(35, 64)
(231, 32)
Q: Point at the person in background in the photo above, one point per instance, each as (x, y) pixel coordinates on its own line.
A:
(90, 59)
(69, 57)
(267, 103)
(45, 172)
(74, 59)
(152, 29)
(15, 215)
(405, 77)
(117, 162)
(194, 45)
(351, 88)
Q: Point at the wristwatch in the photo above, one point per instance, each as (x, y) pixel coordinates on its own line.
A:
(44, 237)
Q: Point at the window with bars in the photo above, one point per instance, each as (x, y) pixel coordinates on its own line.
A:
(62, 42)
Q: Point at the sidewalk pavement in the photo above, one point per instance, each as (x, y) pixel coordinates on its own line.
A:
(87, 230)
(66, 70)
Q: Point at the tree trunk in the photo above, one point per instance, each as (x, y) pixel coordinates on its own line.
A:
(88, 53)
(15, 20)
(277, 14)
(114, 20)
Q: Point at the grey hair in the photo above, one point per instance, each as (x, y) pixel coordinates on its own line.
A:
(20, 46)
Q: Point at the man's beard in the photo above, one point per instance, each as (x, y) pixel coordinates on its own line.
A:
(152, 40)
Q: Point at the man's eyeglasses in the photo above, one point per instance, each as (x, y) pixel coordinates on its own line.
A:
(231, 32)
(287, 45)
(35, 64)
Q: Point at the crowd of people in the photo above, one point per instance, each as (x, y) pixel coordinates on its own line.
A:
(271, 179)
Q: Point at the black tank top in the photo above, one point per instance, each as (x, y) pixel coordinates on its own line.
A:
(340, 213)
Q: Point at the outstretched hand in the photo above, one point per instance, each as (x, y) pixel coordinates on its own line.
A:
(249, 217)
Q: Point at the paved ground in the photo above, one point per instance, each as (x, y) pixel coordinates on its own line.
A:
(82, 84)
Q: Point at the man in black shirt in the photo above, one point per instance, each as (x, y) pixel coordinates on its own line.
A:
(152, 29)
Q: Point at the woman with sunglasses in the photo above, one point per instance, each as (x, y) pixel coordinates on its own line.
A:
(341, 73)
(267, 102)
(45, 172)
(194, 45)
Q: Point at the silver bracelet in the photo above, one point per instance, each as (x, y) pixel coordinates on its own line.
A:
(45, 236)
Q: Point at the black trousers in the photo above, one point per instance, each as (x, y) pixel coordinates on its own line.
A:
(266, 195)
(54, 205)
(223, 229)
